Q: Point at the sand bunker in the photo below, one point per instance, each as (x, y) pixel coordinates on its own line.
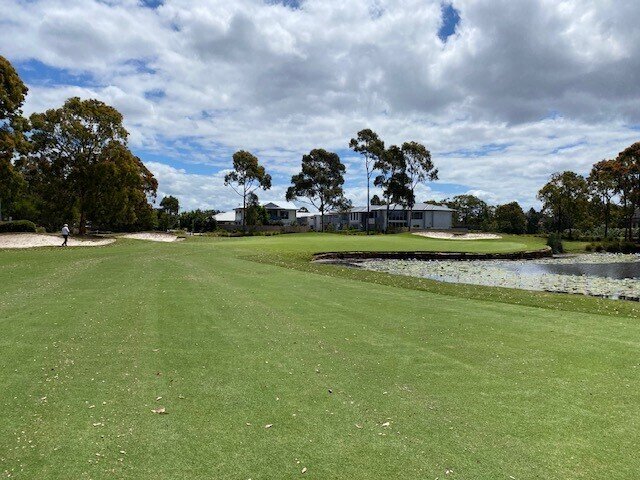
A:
(457, 236)
(30, 240)
(153, 237)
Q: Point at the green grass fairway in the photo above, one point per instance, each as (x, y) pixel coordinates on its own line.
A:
(361, 375)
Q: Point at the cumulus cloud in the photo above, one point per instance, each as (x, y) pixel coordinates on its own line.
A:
(521, 89)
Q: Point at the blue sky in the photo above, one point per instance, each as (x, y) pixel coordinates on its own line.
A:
(502, 94)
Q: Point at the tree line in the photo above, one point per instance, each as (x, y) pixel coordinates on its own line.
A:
(572, 204)
(609, 196)
(69, 164)
(397, 170)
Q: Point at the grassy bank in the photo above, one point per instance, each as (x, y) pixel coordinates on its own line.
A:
(361, 375)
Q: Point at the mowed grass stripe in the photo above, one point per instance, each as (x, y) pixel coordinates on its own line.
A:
(485, 388)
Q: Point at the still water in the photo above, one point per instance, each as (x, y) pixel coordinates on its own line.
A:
(602, 275)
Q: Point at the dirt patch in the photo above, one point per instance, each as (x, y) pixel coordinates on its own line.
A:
(152, 237)
(31, 240)
(459, 236)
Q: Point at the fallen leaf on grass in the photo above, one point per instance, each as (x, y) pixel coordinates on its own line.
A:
(269, 425)
(386, 424)
(304, 470)
(358, 426)
(160, 410)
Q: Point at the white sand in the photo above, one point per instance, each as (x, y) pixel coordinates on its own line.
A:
(153, 237)
(454, 236)
(30, 240)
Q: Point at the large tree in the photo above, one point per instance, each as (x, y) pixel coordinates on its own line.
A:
(602, 186)
(510, 218)
(12, 127)
(371, 147)
(565, 198)
(626, 170)
(420, 169)
(168, 213)
(393, 179)
(78, 154)
(247, 177)
(320, 181)
(471, 211)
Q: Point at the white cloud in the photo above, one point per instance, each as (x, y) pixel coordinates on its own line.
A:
(523, 89)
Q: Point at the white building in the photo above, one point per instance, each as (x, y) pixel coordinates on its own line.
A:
(279, 212)
(424, 216)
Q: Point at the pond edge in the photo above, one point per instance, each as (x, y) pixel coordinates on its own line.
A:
(422, 255)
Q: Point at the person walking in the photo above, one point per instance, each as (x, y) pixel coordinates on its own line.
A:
(65, 234)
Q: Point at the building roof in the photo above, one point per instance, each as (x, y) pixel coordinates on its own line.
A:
(418, 207)
(225, 217)
(306, 214)
(273, 204)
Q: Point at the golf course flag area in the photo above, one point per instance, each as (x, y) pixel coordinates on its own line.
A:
(240, 358)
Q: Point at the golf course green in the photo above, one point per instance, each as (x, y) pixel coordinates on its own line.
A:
(216, 358)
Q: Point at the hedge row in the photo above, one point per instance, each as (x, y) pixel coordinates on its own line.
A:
(17, 226)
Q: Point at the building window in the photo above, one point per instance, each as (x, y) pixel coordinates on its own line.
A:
(416, 215)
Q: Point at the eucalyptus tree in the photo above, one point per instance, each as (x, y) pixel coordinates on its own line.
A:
(12, 127)
(420, 169)
(371, 147)
(247, 177)
(72, 146)
(602, 186)
(320, 181)
(565, 197)
(393, 179)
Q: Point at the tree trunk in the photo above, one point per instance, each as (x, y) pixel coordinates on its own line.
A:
(82, 229)
(410, 216)
(368, 201)
(386, 227)
(606, 219)
(244, 211)
(322, 218)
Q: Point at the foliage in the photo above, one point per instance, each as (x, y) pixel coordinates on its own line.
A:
(371, 147)
(533, 221)
(320, 182)
(565, 199)
(255, 213)
(17, 226)
(12, 140)
(376, 200)
(198, 221)
(471, 212)
(79, 164)
(554, 240)
(170, 205)
(602, 187)
(510, 218)
(419, 169)
(613, 246)
(247, 177)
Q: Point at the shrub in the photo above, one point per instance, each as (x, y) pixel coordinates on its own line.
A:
(17, 226)
(614, 246)
(41, 230)
(554, 240)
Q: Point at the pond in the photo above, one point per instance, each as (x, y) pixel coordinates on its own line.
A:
(603, 275)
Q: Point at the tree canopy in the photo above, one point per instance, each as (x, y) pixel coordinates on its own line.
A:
(12, 128)
(371, 147)
(79, 162)
(247, 177)
(320, 181)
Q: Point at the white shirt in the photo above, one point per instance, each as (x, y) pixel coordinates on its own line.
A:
(65, 230)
